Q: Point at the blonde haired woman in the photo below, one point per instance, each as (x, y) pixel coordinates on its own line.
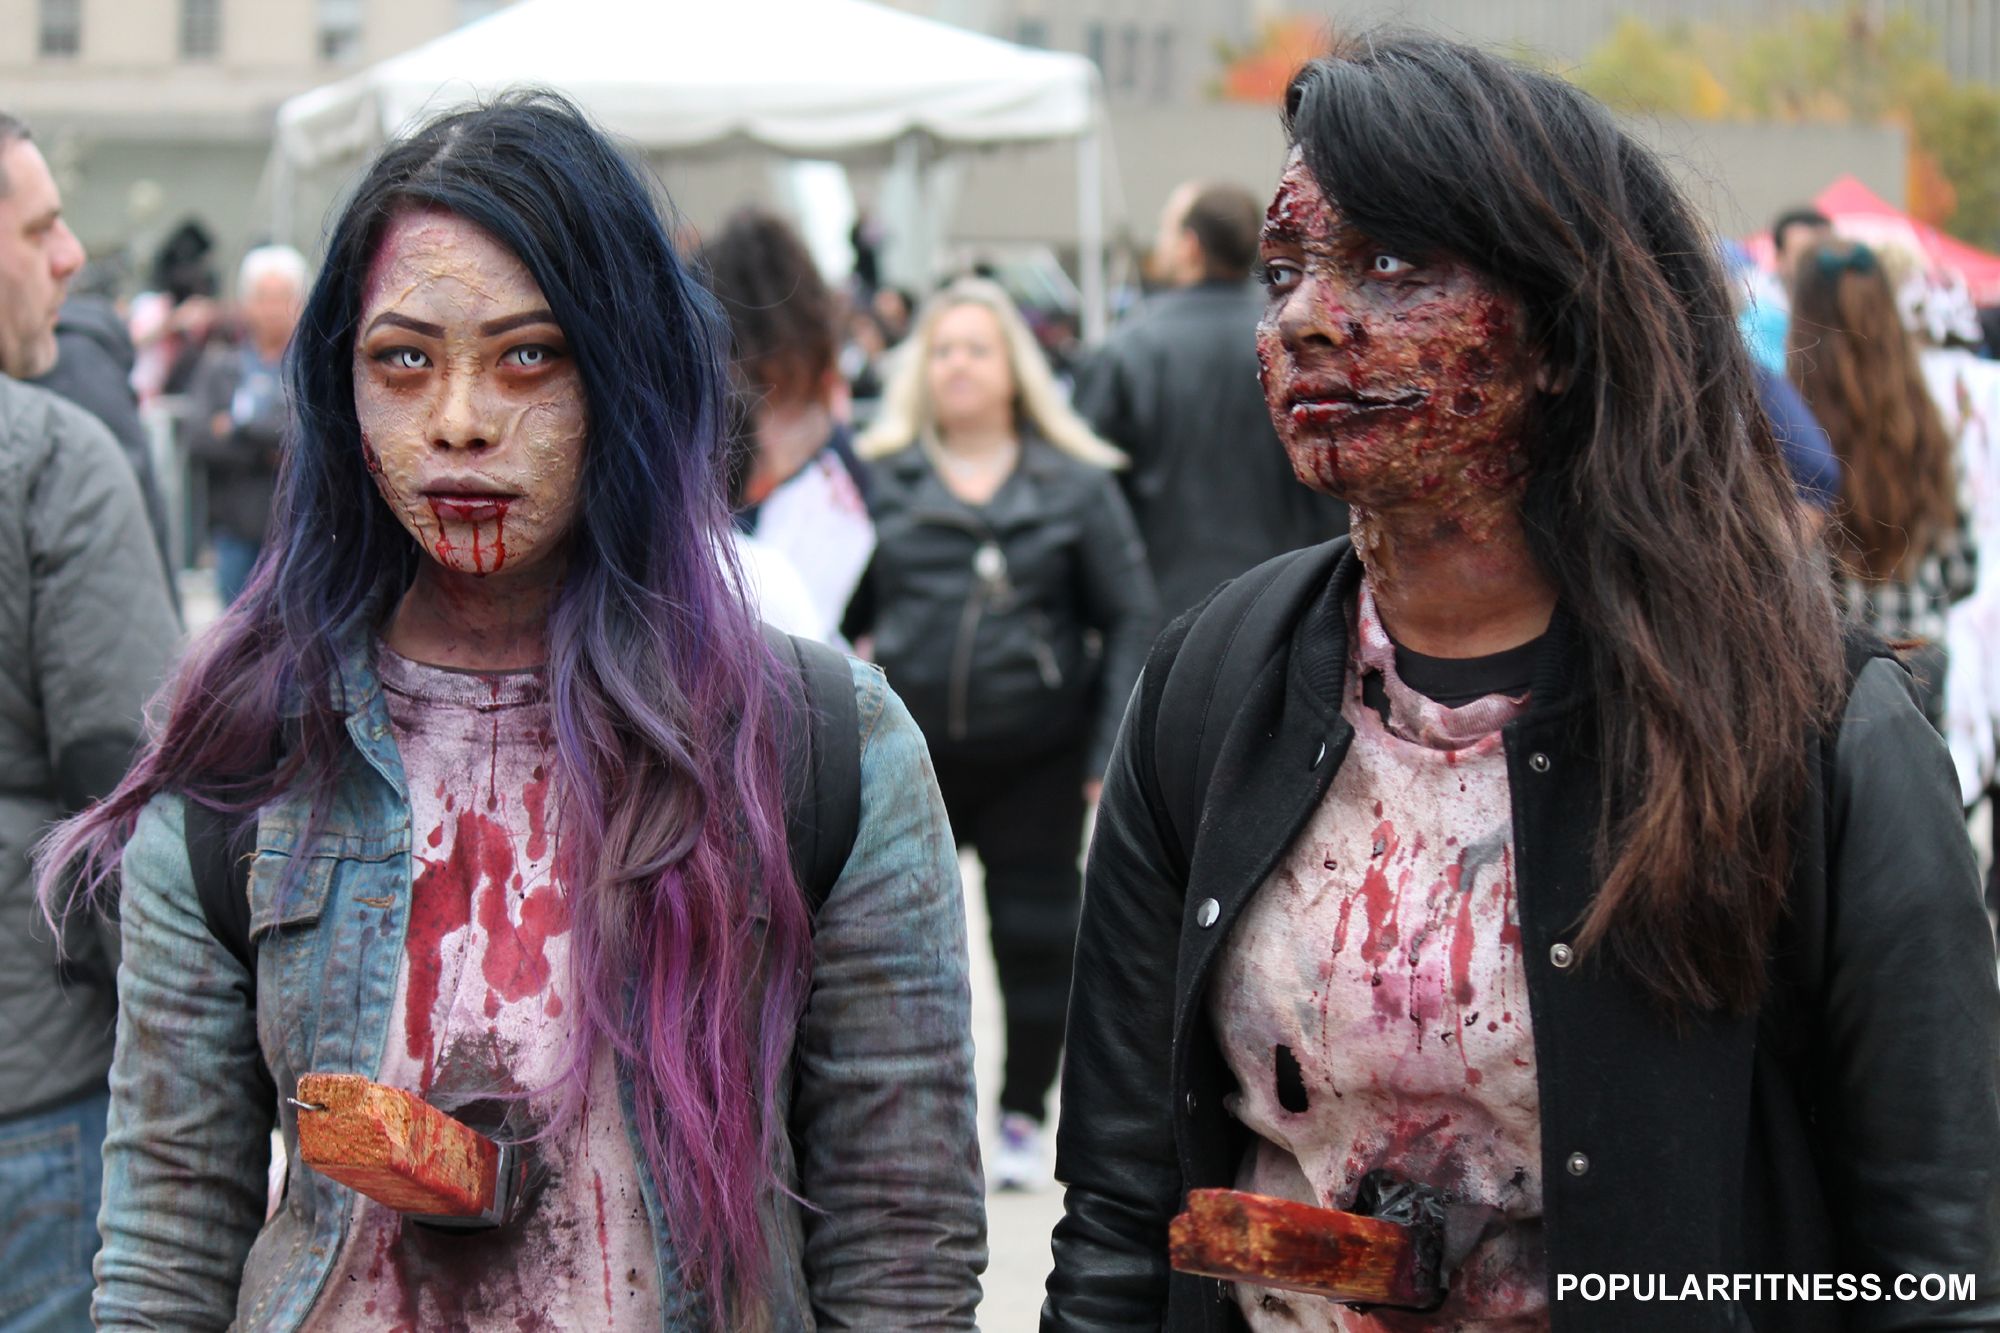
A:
(1010, 605)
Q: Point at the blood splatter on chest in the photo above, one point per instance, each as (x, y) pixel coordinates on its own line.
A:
(1371, 999)
(488, 912)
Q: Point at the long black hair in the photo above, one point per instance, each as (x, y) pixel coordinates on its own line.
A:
(1656, 499)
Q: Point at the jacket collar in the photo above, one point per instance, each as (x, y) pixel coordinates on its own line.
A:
(1319, 649)
(1023, 493)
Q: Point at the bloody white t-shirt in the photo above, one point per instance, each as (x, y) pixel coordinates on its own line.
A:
(1372, 1002)
(481, 1005)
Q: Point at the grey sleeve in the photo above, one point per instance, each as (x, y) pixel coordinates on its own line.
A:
(884, 1114)
(187, 1141)
(1911, 1106)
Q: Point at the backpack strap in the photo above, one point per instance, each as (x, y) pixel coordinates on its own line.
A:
(822, 763)
(1212, 654)
(821, 759)
(219, 850)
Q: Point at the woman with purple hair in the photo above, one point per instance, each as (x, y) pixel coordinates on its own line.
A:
(507, 754)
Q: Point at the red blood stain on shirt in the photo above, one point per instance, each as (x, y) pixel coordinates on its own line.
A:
(535, 800)
(516, 963)
(440, 905)
(603, 1238)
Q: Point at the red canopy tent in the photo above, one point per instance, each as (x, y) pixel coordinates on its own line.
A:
(1859, 212)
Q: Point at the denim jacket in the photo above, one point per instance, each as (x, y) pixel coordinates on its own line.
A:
(884, 1145)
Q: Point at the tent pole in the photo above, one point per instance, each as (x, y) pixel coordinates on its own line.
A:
(1090, 231)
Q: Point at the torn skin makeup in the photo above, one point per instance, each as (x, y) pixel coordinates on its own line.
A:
(473, 425)
(1404, 386)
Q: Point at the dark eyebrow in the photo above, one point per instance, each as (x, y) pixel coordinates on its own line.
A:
(1279, 233)
(404, 322)
(506, 324)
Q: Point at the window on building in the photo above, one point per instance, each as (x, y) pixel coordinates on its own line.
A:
(201, 29)
(470, 11)
(1128, 64)
(61, 27)
(1093, 46)
(1163, 65)
(1032, 32)
(339, 31)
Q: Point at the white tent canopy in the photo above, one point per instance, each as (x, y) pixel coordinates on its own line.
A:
(840, 79)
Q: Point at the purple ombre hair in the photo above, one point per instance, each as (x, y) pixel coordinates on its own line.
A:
(691, 943)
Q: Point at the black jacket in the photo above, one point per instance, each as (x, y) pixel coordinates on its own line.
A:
(1852, 1126)
(1176, 388)
(984, 617)
(242, 457)
(93, 369)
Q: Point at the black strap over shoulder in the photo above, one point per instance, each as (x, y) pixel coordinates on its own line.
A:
(220, 847)
(822, 759)
(821, 753)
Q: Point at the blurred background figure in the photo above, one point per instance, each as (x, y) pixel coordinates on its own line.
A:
(69, 343)
(1796, 231)
(1176, 389)
(1761, 316)
(1899, 532)
(86, 633)
(237, 410)
(1010, 604)
(893, 308)
(798, 489)
(94, 360)
(38, 255)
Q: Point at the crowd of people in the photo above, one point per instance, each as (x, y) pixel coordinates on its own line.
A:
(1529, 677)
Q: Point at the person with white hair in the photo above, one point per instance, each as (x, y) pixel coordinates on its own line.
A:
(236, 412)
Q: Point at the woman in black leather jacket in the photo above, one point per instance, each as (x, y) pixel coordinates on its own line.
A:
(1537, 871)
(1010, 605)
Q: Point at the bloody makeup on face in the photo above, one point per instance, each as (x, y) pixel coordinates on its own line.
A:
(472, 411)
(1390, 377)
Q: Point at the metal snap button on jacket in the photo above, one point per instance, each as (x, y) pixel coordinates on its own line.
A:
(1190, 1103)
(1539, 762)
(1562, 955)
(1206, 912)
(1320, 758)
(1578, 1164)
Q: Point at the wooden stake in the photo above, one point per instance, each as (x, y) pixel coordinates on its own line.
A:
(1296, 1247)
(395, 1149)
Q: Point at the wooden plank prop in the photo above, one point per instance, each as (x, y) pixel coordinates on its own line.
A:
(402, 1152)
(1296, 1247)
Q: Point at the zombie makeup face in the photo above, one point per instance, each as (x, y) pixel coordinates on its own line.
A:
(473, 416)
(1391, 379)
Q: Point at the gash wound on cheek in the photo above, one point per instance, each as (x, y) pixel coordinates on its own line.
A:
(1389, 381)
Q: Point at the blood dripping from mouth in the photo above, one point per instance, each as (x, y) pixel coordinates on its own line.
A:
(444, 548)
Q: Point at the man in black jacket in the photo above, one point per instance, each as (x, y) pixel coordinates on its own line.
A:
(93, 369)
(1176, 389)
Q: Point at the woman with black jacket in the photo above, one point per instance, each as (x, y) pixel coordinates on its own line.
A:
(1010, 605)
(1537, 870)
